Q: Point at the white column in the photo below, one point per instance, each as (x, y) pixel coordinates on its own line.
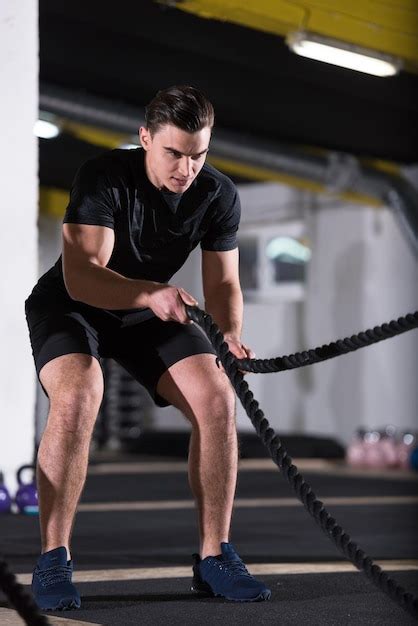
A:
(18, 235)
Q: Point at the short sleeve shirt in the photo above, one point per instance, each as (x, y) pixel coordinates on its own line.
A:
(155, 231)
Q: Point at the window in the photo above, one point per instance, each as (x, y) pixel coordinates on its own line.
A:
(273, 262)
(288, 257)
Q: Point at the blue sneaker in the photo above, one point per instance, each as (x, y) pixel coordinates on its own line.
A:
(226, 575)
(51, 582)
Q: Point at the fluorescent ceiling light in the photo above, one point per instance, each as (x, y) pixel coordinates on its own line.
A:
(343, 54)
(46, 127)
(128, 146)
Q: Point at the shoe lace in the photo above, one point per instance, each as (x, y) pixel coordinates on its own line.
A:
(56, 574)
(236, 567)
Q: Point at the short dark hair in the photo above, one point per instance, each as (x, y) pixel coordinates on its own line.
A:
(181, 105)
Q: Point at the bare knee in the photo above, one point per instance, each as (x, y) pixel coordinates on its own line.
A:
(215, 406)
(75, 410)
(222, 401)
(74, 384)
(200, 391)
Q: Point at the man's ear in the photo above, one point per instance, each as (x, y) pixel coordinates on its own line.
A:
(145, 137)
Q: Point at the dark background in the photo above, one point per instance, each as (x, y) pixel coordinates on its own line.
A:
(125, 52)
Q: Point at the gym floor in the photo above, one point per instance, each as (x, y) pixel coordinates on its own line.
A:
(136, 530)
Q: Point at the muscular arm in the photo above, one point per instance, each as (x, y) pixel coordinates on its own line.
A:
(86, 252)
(222, 290)
(223, 297)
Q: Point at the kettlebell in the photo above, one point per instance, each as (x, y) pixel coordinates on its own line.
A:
(5, 499)
(27, 496)
(413, 460)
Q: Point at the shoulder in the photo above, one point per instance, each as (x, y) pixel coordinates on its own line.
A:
(109, 166)
(226, 188)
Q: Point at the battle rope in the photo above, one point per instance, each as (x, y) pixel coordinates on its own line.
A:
(19, 599)
(336, 348)
(28, 610)
(281, 458)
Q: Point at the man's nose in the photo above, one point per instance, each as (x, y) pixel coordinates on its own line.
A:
(185, 167)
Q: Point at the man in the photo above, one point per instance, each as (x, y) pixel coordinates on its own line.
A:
(133, 218)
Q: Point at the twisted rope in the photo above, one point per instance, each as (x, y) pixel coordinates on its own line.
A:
(303, 490)
(336, 348)
(20, 600)
(28, 610)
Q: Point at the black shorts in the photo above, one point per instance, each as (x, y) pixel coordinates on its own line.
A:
(146, 350)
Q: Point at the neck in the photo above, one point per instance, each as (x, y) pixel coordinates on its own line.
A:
(150, 175)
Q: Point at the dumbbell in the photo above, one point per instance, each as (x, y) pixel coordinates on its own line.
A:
(26, 496)
(5, 499)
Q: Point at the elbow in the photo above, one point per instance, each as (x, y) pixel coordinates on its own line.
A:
(71, 286)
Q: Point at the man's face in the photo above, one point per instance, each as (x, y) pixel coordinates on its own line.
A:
(174, 157)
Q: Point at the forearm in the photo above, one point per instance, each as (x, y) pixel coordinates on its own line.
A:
(226, 308)
(103, 288)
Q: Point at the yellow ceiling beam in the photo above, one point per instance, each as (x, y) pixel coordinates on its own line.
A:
(94, 135)
(261, 15)
(388, 27)
(398, 38)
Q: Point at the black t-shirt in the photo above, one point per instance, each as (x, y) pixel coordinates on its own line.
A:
(155, 231)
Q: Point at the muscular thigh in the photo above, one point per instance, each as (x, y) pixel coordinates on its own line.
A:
(151, 348)
(196, 386)
(73, 381)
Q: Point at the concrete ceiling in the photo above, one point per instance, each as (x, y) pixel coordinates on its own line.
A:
(121, 54)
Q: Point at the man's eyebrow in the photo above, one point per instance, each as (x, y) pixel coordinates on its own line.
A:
(178, 152)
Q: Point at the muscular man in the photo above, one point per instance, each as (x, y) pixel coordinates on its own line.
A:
(133, 218)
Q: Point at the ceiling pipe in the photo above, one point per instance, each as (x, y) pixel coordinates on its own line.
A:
(338, 172)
